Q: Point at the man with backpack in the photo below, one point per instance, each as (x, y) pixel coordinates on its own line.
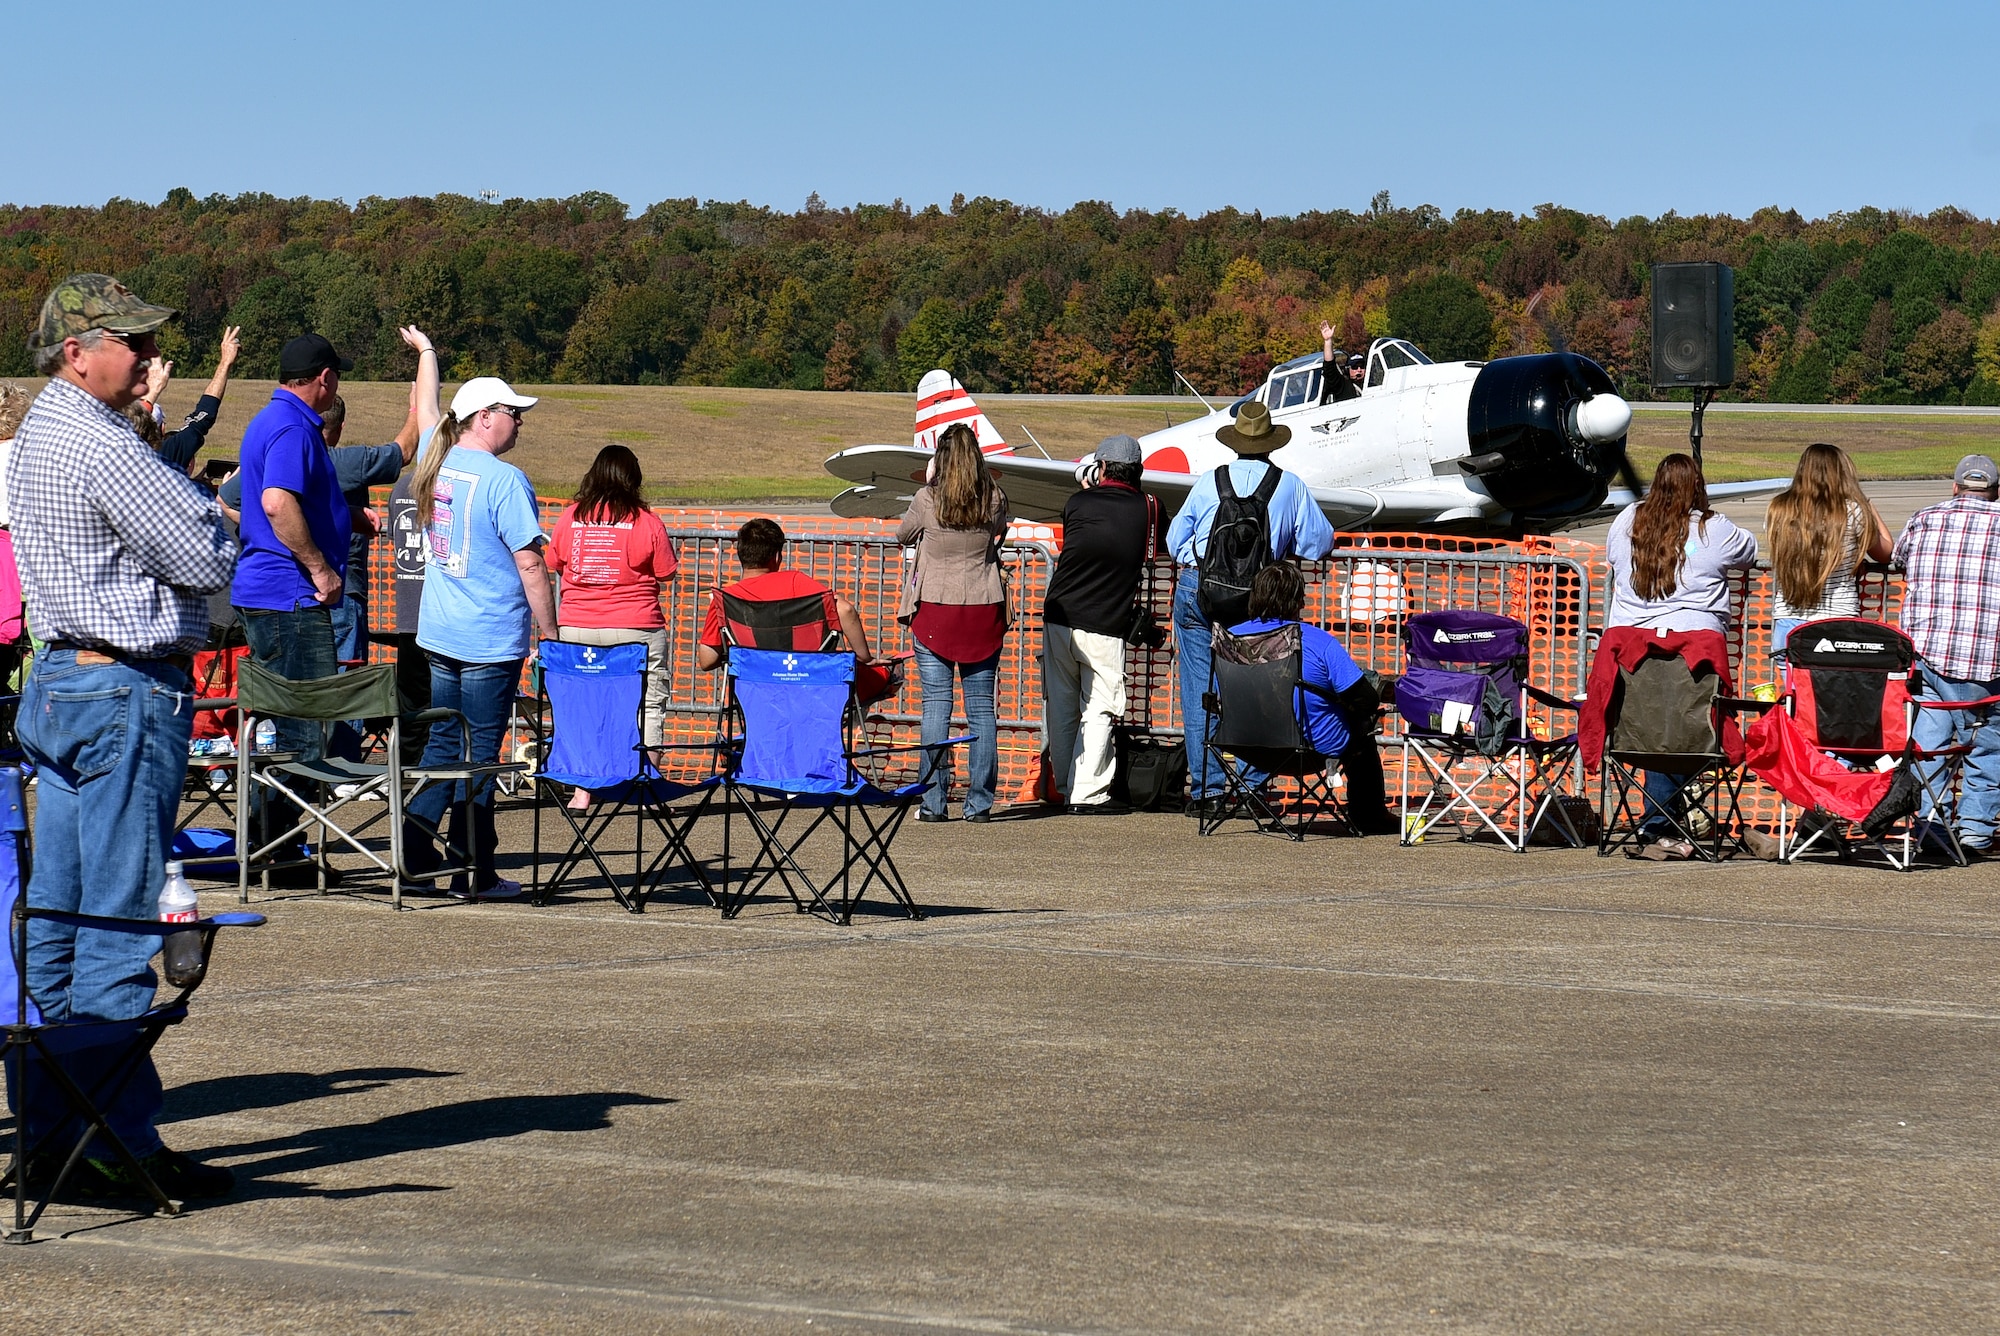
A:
(1236, 520)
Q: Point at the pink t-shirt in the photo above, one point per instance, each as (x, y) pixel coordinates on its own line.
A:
(611, 573)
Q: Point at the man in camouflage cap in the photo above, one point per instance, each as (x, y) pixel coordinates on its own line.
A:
(117, 551)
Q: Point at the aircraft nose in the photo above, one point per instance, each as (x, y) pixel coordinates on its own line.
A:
(1603, 418)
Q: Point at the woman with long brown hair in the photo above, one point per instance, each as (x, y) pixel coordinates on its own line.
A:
(614, 556)
(1671, 555)
(955, 604)
(1820, 527)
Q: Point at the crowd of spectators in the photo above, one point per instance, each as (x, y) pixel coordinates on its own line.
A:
(121, 553)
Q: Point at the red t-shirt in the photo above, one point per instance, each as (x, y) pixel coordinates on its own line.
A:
(611, 573)
(770, 587)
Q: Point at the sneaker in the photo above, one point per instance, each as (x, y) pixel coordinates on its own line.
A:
(302, 877)
(1109, 807)
(178, 1176)
(928, 817)
(502, 889)
(87, 1182)
(979, 818)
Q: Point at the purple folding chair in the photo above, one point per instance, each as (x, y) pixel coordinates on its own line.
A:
(1464, 704)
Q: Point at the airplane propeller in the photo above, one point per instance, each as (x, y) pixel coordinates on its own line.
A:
(1607, 416)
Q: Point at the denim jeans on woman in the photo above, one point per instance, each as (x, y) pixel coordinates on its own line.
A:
(109, 743)
(484, 694)
(983, 765)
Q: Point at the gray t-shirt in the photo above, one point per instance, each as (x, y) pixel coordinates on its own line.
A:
(1700, 601)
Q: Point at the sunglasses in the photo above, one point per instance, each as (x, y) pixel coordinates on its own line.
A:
(138, 343)
(515, 413)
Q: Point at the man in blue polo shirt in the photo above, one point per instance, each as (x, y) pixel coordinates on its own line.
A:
(295, 530)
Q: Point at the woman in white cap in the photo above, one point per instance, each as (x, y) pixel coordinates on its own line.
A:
(486, 595)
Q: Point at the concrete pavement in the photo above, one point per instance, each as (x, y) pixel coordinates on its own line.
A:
(1123, 1079)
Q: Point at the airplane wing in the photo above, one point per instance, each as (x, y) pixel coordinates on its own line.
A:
(1618, 498)
(885, 477)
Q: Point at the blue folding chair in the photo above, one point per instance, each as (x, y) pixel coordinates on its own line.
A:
(63, 1075)
(595, 695)
(795, 758)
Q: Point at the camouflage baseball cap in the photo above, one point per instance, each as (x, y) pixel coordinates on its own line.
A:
(84, 302)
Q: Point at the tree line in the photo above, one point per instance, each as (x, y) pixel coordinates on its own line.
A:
(1872, 306)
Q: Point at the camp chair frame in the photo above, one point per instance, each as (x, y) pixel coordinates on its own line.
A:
(647, 795)
(1530, 772)
(1292, 755)
(23, 1038)
(368, 692)
(864, 817)
(1936, 772)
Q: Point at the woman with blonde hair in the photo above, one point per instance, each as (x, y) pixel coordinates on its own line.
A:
(1820, 527)
(955, 604)
(1671, 556)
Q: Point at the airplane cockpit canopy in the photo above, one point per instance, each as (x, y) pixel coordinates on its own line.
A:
(1293, 384)
(1385, 355)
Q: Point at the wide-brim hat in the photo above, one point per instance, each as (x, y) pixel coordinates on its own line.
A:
(1253, 432)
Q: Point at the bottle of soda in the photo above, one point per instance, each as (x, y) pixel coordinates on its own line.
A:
(181, 952)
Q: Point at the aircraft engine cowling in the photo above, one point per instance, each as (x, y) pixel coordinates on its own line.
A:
(1548, 431)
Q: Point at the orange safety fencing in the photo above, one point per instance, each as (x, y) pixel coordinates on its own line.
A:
(1363, 593)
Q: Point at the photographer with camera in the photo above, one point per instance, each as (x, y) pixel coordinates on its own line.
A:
(1109, 532)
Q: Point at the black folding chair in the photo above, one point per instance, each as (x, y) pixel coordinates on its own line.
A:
(84, 1064)
(1665, 717)
(1256, 721)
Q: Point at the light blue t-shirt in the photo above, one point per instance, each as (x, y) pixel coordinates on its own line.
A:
(482, 513)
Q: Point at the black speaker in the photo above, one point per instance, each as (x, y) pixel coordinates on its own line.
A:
(1694, 324)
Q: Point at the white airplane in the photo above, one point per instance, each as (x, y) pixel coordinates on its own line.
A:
(1519, 445)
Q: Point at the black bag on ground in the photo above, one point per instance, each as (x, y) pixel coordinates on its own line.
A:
(1151, 772)
(1239, 545)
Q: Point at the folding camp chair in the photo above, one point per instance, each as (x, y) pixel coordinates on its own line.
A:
(64, 1075)
(1256, 722)
(794, 758)
(354, 787)
(595, 697)
(1849, 689)
(1665, 717)
(1464, 700)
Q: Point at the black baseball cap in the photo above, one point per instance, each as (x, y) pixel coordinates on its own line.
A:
(307, 356)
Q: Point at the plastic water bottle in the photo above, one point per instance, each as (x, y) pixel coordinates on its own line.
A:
(180, 952)
(267, 735)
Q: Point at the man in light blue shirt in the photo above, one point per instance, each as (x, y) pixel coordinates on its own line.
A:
(1298, 529)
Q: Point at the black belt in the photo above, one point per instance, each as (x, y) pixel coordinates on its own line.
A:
(184, 662)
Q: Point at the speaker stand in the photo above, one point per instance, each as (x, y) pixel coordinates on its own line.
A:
(1703, 397)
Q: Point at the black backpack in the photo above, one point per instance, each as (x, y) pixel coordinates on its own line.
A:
(1239, 545)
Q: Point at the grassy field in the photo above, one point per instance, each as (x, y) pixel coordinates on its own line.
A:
(725, 446)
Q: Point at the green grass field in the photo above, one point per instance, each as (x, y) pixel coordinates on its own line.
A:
(714, 446)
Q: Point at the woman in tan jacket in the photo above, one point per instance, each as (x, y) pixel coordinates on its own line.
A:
(955, 604)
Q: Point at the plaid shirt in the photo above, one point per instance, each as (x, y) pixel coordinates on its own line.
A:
(116, 548)
(1950, 558)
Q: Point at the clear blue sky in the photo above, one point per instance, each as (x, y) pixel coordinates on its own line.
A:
(1616, 108)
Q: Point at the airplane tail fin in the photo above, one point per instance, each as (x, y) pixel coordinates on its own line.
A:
(941, 401)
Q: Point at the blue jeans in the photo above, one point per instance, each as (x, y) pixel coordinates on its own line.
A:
(1666, 803)
(109, 742)
(983, 766)
(1194, 644)
(1781, 631)
(484, 694)
(1979, 790)
(350, 645)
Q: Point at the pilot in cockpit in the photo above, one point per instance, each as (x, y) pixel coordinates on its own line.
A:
(1335, 381)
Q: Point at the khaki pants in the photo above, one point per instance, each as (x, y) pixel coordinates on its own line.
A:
(1083, 686)
(659, 653)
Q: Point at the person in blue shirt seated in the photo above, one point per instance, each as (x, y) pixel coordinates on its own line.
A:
(1336, 703)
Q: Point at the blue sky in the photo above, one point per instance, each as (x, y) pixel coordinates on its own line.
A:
(1615, 109)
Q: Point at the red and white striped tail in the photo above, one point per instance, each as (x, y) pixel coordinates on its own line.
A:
(941, 401)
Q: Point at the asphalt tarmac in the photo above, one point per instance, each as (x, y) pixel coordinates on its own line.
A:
(1122, 1079)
